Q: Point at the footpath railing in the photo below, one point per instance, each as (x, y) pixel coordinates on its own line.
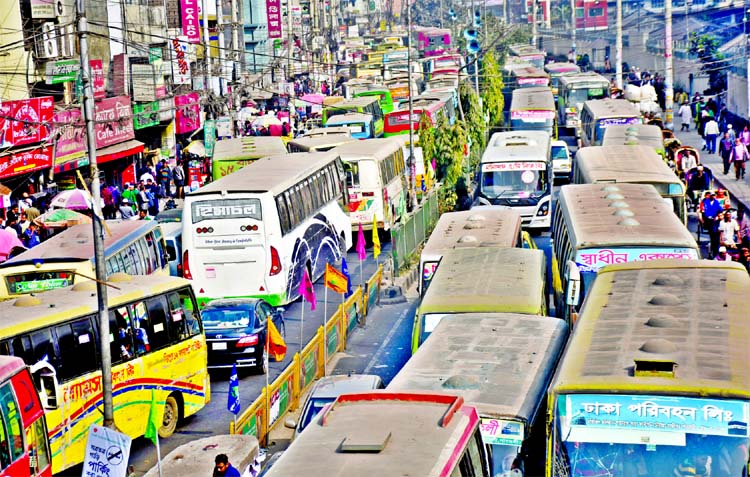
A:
(283, 394)
(407, 236)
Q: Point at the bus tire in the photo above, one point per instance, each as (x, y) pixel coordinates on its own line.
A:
(171, 417)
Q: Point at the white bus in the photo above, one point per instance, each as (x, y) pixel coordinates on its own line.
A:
(376, 180)
(253, 232)
(516, 172)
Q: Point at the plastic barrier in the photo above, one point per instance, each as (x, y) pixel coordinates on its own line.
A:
(283, 394)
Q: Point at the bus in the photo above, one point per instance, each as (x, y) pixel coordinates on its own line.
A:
(575, 89)
(631, 165)
(376, 181)
(432, 41)
(533, 109)
(383, 95)
(635, 134)
(597, 115)
(446, 100)
(401, 68)
(399, 88)
(444, 62)
(528, 53)
(654, 379)
(503, 366)
(528, 77)
(369, 69)
(558, 69)
(383, 433)
(233, 154)
(135, 247)
(600, 224)
(24, 448)
(482, 280)
(266, 223)
(367, 105)
(360, 126)
(156, 344)
(516, 172)
(470, 228)
(329, 131)
(319, 143)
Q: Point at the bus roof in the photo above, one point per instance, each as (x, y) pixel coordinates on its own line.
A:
(631, 134)
(272, 174)
(529, 72)
(608, 215)
(9, 366)
(327, 141)
(250, 147)
(54, 306)
(511, 146)
(329, 131)
(77, 243)
(686, 318)
(382, 433)
(354, 103)
(561, 67)
(512, 282)
(503, 365)
(584, 77)
(538, 98)
(377, 149)
(608, 108)
(624, 164)
(347, 118)
(474, 228)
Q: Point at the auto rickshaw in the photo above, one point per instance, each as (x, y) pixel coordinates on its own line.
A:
(679, 159)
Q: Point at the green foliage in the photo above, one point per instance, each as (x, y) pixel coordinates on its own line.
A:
(475, 125)
(492, 90)
(445, 144)
(713, 62)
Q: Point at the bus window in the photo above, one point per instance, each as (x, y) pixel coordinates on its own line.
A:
(77, 345)
(121, 345)
(36, 436)
(157, 322)
(140, 328)
(12, 441)
(352, 174)
(283, 214)
(182, 308)
(43, 348)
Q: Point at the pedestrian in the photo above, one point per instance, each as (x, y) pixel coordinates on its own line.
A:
(728, 229)
(147, 175)
(223, 468)
(23, 222)
(126, 210)
(744, 258)
(711, 208)
(178, 175)
(109, 210)
(723, 256)
(686, 116)
(745, 136)
(143, 215)
(165, 179)
(142, 198)
(738, 156)
(31, 236)
(25, 202)
(711, 132)
(131, 195)
(725, 150)
(731, 132)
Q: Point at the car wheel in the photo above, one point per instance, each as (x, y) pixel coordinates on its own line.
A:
(261, 367)
(171, 416)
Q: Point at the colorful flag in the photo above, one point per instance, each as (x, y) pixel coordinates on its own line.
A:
(233, 400)
(375, 238)
(335, 280)
(154, 421)
(345, 271)
(361, 253)
(274, 342)
(306, 290)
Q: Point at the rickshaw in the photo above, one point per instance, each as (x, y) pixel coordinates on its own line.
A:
(670, 146)
(695, 195)
(678, 159)
(656, 122)
(722, 195)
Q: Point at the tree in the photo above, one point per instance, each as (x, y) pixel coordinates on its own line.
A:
(713, 62)
(474, 123)
(492, 89)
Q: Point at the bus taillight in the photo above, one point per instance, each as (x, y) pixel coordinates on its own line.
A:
(186, 266)
(275, 262)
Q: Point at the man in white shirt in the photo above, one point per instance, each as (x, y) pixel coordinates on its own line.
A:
(711, 132)
(728, 229)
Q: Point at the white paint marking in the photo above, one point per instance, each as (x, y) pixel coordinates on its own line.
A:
(387, 340)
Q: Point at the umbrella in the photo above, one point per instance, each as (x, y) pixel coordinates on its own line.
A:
(196, 147)
(312, 99)
(75, 199)
(266, 120)
(61, 218)
(8, 241)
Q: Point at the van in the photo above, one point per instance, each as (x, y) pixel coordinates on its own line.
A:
(173, 238)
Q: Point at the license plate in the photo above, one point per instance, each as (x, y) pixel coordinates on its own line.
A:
(218, 346)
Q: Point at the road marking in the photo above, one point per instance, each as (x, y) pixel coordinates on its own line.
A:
(387, 340)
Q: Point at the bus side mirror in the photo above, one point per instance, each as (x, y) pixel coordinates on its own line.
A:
(573, 278)
(45, 378)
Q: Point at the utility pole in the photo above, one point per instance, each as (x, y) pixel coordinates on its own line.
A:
(222, 54)
(505, 12)
(206, 53)
(618, 46)
(573, 28)
(669, 67)
(289, 41)
(411, 162)
(534, 13)
(101, 274)
(236, 55)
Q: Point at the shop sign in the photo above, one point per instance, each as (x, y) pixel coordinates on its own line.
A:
(145, 114)
(209, 136)
(273, 17)
(190, 22)
(114, 121)
(23, 162)
(182, 67)
(71, 138)
(62, 71)
(25, 121)
(188, 112)
(144, 88)
(42, 9)
(97, 75)
(224, 127)
(166, 109)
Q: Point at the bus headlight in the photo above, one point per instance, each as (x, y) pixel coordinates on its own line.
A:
(543, 210)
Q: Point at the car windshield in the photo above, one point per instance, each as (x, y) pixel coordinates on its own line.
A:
(514, 183)
(226, 318)
(316, 405)
(559, 152)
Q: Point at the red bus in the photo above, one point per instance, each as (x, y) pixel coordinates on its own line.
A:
(397, 122)
(24, 449)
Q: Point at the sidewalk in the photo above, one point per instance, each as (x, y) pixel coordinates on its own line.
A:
(739, 190)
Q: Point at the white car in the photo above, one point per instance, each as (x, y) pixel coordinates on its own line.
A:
(560, 160)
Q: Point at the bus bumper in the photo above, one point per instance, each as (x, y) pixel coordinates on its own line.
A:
(273, 299)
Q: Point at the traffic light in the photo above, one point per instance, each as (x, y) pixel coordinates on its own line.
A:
(470, 34)
(477, 19)
(452, 14)
(473, 47)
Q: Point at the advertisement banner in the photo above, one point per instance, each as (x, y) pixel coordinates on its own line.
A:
(144, 88)
(190, 20)
(209, 136)
(114, 121)
(61, 71)
(514, 166)
(25, 121)
(591, 260)
(71, 138)
(273, 12)
(145, 114)
(97, 73)
(502, 432)
(224, 127)
(182, 65)
(188, 112)
(25, 161)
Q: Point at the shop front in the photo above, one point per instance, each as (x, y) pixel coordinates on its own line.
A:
(187, 122)
(118, 153)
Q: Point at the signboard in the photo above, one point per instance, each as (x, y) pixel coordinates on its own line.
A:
(514, 166)
(273, 18)
(107, 453)
(187, 114)
(501, 432)
(114, 121)
(591, 260)
(71, 138)
(41, 285)
(43, 9)
(533, 81)
(144, 88)
(532, 116)
(62, 71)
(190, 20)
(120, 74)
(603, 123)
(145, 114)
(97, 80)
(22, 162)
(209, 136)
(166, 109)
(25, 121)
(182, 67)
(224, 127)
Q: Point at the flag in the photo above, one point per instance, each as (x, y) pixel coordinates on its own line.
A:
(233, 400)
(154, 420)
(306, 290)
(375, 238)
(335, 280)
(345, 271)
(275, 343)
(361, 253)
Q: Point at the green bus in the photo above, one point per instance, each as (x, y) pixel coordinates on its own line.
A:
(363, 105)
(383, 95)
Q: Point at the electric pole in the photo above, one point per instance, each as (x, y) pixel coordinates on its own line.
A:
(411, 162)
(99, 265)
(222, 54)
(669, 70)
(206, 48)
(573, 28)
(618, 46)
(534, 13)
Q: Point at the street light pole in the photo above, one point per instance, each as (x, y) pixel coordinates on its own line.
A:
(745, 19)
(669, 69)
(574, 28)
(618, 47)
(412, 164)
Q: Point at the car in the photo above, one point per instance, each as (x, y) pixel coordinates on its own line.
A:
(236, 332)
(560, 160)
(169, 215)
(326, 390)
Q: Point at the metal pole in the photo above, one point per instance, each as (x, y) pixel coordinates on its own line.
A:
(206, 43)
(236, 55)
(101, 274)
(746, 18)
(222, 45)
(476, 73)
(505, 11)
(669, 68)
(618, 46)
(411, 162)
(289, 41)
(534, 13)
(573, 28)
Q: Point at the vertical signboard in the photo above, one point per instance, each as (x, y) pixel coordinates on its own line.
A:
(273, 16)
(190, 22)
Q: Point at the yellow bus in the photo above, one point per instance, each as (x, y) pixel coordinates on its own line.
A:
(134, 247)
(156, 343)
(482, 280)
(231, 155)
(598, 114)
(654, 379)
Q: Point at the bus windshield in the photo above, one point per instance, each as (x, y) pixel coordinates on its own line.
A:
(578, 96)
(520, 179)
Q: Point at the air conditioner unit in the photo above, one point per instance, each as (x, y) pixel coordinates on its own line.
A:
(46, 46)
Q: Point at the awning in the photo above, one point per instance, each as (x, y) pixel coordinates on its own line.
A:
(118, 151)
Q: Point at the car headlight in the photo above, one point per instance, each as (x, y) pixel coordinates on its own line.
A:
(543, 210)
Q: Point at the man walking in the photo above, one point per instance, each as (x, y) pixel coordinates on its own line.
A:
(738, 156)
(725, 150)
(686, 116)
(711, 131)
